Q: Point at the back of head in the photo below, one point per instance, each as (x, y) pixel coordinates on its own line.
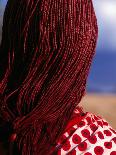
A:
(45, 55)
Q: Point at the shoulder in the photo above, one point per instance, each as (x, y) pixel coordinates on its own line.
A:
(90, 134)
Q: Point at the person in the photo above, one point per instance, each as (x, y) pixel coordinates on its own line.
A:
(46, 52)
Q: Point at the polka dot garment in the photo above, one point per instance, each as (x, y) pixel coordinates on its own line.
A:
(90, 135)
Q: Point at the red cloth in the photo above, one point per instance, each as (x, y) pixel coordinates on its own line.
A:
(87, 135)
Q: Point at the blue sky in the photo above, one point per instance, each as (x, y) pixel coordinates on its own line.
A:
(106, 16)
(102, 77)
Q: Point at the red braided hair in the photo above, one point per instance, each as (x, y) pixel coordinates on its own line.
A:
(46, 51)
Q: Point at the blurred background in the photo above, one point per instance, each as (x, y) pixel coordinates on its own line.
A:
(101, 86)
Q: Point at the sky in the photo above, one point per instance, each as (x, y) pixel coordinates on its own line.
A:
(102, 77)
(106, 16)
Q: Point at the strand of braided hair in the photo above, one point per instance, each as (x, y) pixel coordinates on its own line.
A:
(46, 52)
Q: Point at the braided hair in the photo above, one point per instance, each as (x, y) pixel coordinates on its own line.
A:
(45, 55)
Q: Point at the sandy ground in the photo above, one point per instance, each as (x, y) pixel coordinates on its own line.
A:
(102, 105)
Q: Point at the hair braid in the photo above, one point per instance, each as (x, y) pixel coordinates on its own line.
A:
(47, 48)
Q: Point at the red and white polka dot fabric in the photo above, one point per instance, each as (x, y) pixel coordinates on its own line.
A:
(92, 135)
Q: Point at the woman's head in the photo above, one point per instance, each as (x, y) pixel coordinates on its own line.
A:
(46, 52)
